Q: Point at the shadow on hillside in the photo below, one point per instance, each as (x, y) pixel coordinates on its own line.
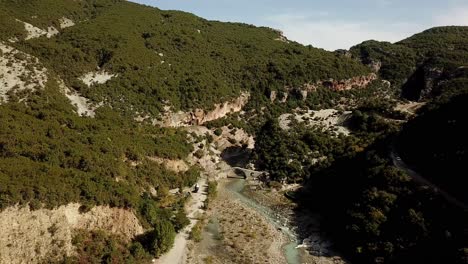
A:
(237, 156)
(309, 226)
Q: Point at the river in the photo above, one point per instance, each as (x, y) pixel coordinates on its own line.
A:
(290, 250)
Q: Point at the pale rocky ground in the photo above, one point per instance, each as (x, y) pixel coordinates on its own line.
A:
(211, 160)
(66, 23)
(319, 249)
(409, 107)
(19, 71)
(99, 77)
(83, 105)
(327, 119)
(35, 32)
(172, 165)
(34, 236)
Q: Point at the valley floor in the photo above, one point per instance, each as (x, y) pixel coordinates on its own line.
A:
(238, 227)
(236, 233)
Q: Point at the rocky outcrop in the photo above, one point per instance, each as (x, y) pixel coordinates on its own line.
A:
(302, 92)
(200, 116)
(66, 22)
(431, 79)
(422, 83)
(172, 165)
(35, 32)
(375, 65)
(46, 235)
(99, 77)
(353, 83)
(273, 95)
(281, 36)
(84, 106)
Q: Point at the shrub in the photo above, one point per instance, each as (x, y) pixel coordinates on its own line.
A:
(161, 238)
(218, 132)
(180, 220)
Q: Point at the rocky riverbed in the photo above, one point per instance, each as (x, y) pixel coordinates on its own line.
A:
(303, 224)
(241, 235)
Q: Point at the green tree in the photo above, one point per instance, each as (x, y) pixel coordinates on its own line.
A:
(162, 237)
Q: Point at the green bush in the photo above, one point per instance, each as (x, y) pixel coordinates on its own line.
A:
(218, 132)
(180, 220)
(161, 238)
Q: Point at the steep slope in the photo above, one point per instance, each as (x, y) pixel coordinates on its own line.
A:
(169, 58)
(419, 64)
(435, 144)
(375, 210)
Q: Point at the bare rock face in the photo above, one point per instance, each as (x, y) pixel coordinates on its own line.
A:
(422, 83)
(200, 116)
(35, 236)
(353, 83)
(172, 165)
(273, 95)
(66, 22)
(302, 92)
(375, 66)
(35, 32)
(432, 77)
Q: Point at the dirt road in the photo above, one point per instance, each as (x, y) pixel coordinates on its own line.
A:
(177, 254)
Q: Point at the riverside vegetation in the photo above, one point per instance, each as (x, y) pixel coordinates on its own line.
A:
(50, 156)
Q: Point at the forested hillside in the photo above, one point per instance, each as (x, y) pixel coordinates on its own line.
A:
(167, 57)
(435, 144)
(421, 64)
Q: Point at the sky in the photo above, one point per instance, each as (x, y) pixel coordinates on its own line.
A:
(330, 24)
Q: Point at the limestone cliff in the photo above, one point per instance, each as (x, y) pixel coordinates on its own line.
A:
(200, 116)
(355, 82)
(302, 92)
